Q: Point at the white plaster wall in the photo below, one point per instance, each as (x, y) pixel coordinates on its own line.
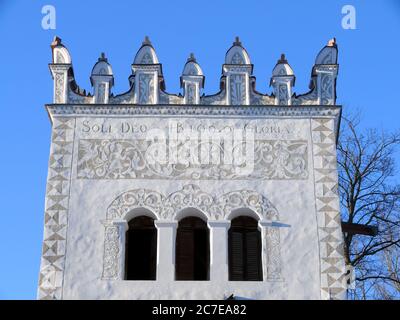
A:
(294, 200)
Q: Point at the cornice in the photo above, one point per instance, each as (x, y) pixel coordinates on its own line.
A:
(312, 111)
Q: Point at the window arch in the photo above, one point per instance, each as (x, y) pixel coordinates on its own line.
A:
(192, 256)
(141, 249)
(244, 250)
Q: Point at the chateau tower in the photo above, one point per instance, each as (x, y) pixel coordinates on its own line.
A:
(152, 195)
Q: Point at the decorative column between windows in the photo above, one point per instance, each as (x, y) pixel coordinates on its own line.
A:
(219, 249)
(166, 249)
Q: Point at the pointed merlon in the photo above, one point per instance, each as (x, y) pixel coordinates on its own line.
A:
(332, 42)
(56, 42)
(191, 58)
(146, 41)
(237, 42)
(282, 59)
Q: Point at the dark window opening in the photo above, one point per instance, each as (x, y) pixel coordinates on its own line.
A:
(244, 250)
(141, 249)
(192, 250)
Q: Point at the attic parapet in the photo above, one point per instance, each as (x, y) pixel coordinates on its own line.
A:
(282, 81)
(238, 85)
(147, 73)
(237, 70)
(60, 69)
(192, 81)
(102, 80)
(326, 71)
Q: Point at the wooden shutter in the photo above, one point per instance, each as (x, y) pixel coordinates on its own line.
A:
(192, 250)
(244, 250)
(236, 265)
(184, 254)
(253, 255)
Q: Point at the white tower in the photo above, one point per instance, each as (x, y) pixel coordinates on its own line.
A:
(152, 195)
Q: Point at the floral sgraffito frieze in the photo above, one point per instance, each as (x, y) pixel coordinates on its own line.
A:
(111, 253)
(247, 199)
(191, 196)
(128, 159)
(139, 198)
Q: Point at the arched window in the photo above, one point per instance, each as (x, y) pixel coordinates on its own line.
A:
(244, 250)
(141, 249)
(192, 250)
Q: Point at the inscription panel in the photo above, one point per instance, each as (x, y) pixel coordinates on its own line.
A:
(192, 149)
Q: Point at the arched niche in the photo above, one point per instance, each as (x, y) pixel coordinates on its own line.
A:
(141, 249)
(245, 249)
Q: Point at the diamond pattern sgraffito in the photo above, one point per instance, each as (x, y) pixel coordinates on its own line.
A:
(56, 212)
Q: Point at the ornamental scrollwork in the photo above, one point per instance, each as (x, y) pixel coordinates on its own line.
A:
(246, 199)
(273, 254)
(327, 89)
(132, 159)
(283, 94)
(190, 196)
(146, 89)
(237, 86)
(138, 198)
(59, 87)
(111, 252)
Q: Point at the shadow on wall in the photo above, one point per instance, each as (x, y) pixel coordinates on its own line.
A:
(233, 297)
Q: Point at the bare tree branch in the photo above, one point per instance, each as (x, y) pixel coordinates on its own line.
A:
(370, 195)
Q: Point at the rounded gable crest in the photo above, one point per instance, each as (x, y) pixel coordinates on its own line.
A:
(282, 68)
(328, 54)
(146, 54)
(237, 54)
(192, 68)
(102, 67)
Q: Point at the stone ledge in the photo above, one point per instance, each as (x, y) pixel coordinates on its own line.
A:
(201, 110)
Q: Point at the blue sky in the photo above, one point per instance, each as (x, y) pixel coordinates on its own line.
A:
(368, 78)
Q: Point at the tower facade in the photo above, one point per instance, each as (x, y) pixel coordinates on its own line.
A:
(152, 195)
